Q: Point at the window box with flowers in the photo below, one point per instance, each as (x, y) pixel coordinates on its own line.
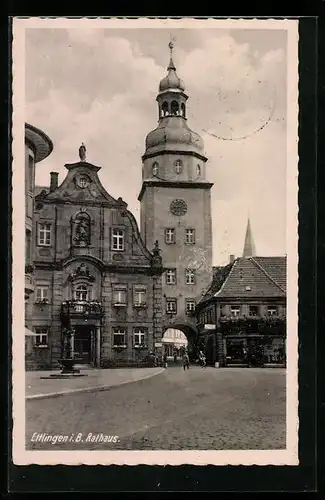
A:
(119, 348)
(140, 305)
(253, 324)
(140, 347)
(42, 302)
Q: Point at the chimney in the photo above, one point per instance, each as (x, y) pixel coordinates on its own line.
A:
(231, 258)
(54, 181)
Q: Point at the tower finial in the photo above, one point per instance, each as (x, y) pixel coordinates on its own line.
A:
(171, 65)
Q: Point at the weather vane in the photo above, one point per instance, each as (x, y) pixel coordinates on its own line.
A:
(171, 44)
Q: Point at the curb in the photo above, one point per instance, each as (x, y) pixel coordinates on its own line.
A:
(89, 389)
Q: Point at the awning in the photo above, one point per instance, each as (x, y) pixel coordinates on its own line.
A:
(29, 333)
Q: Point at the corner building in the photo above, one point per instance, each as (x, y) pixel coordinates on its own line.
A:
(176, 205)
(93, 274)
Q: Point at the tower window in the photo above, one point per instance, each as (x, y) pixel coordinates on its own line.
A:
(171, 306)
(190, 236)
(190, 306)
(198, 170)
(117, 239)
(165, 108)
(44, 234)
(155, 169)
(169, 236)
(183, 109)
(171, 276)
(190, 276)
(178, 164)
(174, 108)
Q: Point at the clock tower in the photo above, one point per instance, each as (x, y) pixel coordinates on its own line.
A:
(176, 204)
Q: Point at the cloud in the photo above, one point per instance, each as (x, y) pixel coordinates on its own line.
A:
(100, 88)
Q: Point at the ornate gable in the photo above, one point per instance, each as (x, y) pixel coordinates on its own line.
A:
(81, 185)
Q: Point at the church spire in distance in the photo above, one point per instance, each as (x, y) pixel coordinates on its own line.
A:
(249, 246)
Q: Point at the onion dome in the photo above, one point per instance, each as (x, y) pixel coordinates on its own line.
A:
(171, 81)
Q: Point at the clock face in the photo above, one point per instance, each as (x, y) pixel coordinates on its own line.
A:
(178, 207)
(83, 181)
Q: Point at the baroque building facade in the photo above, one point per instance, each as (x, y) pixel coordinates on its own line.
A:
(175, 201)
(94, 276)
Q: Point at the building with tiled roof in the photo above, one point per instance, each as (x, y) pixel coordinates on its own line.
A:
(241, 317)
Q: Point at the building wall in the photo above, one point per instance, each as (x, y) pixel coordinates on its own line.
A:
(58, 263)
(156, 218)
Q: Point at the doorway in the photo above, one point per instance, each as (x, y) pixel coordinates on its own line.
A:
(83, 340)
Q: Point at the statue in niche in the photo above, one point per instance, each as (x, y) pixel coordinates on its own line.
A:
(156, 259)
(82, 230)
(81, 271)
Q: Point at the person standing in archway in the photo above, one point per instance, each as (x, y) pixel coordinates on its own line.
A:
(186, 361)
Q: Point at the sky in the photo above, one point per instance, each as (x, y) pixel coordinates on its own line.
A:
(98, 86)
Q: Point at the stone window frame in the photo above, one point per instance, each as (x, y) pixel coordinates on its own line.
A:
(189, 241)
(119, 330)
(40, 297)
(41, 331)
(171, 300)
(189, 301)
(190, 278)
(168, 272)
(170, 235)
(48, 231)
(141, 331)
(123, 235)
(117, 288)
(142, 289)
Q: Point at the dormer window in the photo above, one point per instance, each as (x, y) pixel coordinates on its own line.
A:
(155, 169)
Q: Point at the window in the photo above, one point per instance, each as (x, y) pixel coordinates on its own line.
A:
(198, 170)
(190, 236)
(117, 239)
(209, 317)
(30, 173)
(44, 234)
(28, 248)
(190, 276)
(253, 310)
(174, 107)
(171, 306)
(171, 276)
(42, 293)
(119, 295)
(140, 296)
(235, 310)
(139, 336)
(81, 293)
(272, 310)
(178, 164)
(41, 338)
(155, 169)
(119, 337)
(189, 306)
(170, 236)
(83, 181)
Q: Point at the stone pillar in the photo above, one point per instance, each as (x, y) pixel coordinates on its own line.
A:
(97, 346)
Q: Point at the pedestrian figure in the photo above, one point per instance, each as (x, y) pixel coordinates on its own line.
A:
(165, 360)
(186, 361)
(202, 359)
(175, 357)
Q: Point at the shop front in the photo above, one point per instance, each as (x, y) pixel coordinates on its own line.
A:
(254, 350)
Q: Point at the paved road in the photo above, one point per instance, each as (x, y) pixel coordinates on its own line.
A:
(197, 409)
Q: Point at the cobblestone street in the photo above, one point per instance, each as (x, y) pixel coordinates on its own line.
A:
(196, 409)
